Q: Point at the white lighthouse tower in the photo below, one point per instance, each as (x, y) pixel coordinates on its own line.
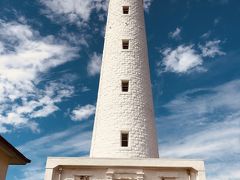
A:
(124, 143)
(124, 122)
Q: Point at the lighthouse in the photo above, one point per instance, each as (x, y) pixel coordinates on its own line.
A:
(124, 121)
(124, 141)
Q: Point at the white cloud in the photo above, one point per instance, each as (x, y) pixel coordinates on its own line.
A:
(101, 5)
(211, 49)
(187, 58)
(79, 11)
(206, 125)
(176, 34)
(71, 8)
(83, 112)
(74, 11)
(181, 59)
(94, 65)
(24, 56)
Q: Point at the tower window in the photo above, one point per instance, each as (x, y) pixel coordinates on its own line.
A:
(125, 9)
(125, 86)
(125, 44)
(124, 139)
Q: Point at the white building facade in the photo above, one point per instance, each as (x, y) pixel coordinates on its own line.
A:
(124, 143)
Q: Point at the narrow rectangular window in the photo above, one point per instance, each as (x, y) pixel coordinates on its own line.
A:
(124, 139)
(125, 86)
(125, 44)
(125, 9)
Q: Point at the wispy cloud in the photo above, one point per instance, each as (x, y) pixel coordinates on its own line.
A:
(206, 35)
(217, 142)
(206, 101)
(71, 142)
(147, 5)
(176, 34)
(218, 145)
(83, 112)
(211, 49)
(210, 120)
(24, 56)
(209, 143)
(94, 65)
(79, 11)
(74, 11)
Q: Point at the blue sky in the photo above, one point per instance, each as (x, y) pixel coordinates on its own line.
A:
(50, 57)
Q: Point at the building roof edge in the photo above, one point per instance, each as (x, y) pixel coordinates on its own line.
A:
(22, 160)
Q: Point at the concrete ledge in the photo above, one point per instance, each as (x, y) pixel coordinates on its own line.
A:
(53, 162)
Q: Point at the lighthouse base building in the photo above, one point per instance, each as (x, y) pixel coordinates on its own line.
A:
(123, 169)
(124, 141)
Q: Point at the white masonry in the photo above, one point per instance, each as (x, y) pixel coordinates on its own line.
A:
(124, 143)
(125, 112)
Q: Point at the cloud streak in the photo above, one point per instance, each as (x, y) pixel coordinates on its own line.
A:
(94, 65)
(71, 142)
(206, 125)
(217, 142)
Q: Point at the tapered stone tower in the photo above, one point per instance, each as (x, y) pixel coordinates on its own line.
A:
(124, 107)
(124, 144)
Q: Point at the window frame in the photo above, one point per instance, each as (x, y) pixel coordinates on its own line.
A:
(125, 44)
(123, 141)
(125, 10)
(125, 86)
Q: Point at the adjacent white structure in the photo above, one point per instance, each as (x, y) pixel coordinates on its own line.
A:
(124, 143)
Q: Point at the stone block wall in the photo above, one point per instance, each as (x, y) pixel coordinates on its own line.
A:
(119, 111)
